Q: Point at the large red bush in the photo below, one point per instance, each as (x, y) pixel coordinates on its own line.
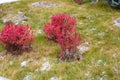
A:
(62, 29)
(16, 37)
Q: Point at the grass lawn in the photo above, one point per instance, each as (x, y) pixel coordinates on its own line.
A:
(94, 23)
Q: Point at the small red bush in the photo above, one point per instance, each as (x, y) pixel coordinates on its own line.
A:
(15, 37)
(62, 29)
(69, 43)
(60, 24)
(78, 1)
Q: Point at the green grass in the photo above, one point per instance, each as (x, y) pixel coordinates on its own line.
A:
(99, 16)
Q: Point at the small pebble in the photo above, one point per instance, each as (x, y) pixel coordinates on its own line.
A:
(101, 79)
(45, 66)
(92, 29)
(24, 63)
(27, 77)
(54, 78)
(83, 47)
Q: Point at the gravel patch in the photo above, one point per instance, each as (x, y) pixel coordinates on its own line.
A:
(44, 4)
(15, 18)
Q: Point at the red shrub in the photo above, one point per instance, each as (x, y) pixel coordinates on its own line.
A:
(78, 1)
(50, 31)
(62, 23)
(15, 37)
(62, 29)
(69, 45)
(69, 41)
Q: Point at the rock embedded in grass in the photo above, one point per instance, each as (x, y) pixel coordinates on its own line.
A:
(3, 78)
(93, 29)
(24, 64)
(84, 47)
(101, 78)
(44, 4)
(54, 78)
(15, 18)
(117, 22)
(45, 66)
(27, 77)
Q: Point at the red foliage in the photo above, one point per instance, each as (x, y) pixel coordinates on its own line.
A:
(60, 24)
(69, 41)
(16, 36)
(78, 1)
(62, 30)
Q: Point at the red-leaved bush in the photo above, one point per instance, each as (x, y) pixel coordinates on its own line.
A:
(60, 24)
(16, 38)
(78, 1)
(69, 45)
(62, 29)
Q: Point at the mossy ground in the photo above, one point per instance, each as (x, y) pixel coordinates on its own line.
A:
(103, 56)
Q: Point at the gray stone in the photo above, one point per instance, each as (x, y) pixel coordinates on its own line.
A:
(54, 78)
(101, 78)
(117, 22)
(15, 18)
(84, 47)
(44, 4)
(93, 29)
(24, 63)
(27, 77)
(45, 66)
